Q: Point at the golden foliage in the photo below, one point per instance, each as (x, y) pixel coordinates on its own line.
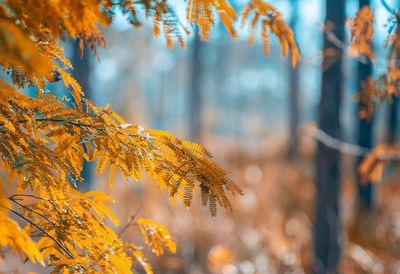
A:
(371, 94)
(137, 255)
(271, 20)
(72, 232)
(373, 91)
(393, 69)
(156, 236)
(12, 235)
(362, 32)
(19, 55)
(373, 165)
(200, 12)
(164, 18)
(43, 130)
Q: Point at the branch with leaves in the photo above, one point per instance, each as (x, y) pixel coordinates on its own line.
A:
(373, 91)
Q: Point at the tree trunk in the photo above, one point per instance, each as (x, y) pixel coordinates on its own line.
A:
(393, 120)
(195, 99)
(393, 112)
(81, 72)
(364, 134)
(294, 90)
(327, 238)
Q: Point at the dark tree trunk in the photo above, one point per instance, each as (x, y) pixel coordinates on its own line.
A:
(294, 92)
(393, 112)
(393, 121)
(327, 240)
(81, 72)
(195, 99)
(364, 135)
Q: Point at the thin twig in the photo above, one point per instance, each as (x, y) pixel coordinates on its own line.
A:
(15, 197)
(331, 36)
(42, 230)
(54, 120)
(131, 220)
(33, 211)
(29, 195)
(329, 141)
(38, 213)
(59, 120)
(388, 7)
(344, 147)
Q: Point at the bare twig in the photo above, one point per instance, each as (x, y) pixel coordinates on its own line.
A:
(131, 220)
(14, 196)
(15, 200)
(331, 36)
(69, 254)
(344, 147)
(33, 211)
(388, 7)
(329, 141)
(55, 120)
(58, 121)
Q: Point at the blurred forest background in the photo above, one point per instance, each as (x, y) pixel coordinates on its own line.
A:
(258, 117)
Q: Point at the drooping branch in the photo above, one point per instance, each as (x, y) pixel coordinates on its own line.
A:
(63, 121)
(63, 248)
(388, 7)
(32, 210)
(54, 120)
(11, 198)
(344, 147)
(14, 196)
(331, 142)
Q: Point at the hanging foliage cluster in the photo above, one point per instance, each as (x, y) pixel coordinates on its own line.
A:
(374, 91)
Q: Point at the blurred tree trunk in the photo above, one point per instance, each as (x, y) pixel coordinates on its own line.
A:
(327, 236)
(364, 133)
(195, 98)
(393, 111)
(393, 120)
(160, 111)
(81, 72)
(294, 91)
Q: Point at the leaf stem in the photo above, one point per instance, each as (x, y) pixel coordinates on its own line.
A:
(42, 230)
(131, 220)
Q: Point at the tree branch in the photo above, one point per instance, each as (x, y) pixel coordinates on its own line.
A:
(14, 198)
(331, 36)
(388, 7)
(59, 120)
(131, 219)
(33, 211)
(54, 120)
(69, 254)
(28, 195)
(344, 147)
(331, 142)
